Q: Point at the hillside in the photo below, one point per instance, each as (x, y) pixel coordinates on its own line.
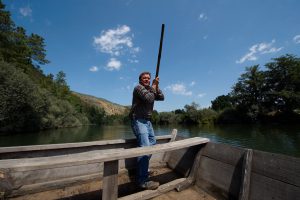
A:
(110, 108)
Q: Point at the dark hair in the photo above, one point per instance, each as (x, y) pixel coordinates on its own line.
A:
(142, 74)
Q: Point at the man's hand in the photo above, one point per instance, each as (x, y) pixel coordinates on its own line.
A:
(155, 83)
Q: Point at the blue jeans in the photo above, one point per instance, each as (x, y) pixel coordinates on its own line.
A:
(144, 133)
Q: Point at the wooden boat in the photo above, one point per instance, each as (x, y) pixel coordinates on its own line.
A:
(192, 168)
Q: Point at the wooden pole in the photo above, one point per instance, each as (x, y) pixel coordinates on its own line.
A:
(160, 49)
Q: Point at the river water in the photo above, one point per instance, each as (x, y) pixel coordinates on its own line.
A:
(283, 139)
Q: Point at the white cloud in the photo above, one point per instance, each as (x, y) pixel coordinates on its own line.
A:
(201, 95)
(259, 49)
(179, 89)
(116, 41)
(93, 69)
(26, 11)
(202, 17)
(133, 61)
(113, 64)
(297, 39)
(192, 83)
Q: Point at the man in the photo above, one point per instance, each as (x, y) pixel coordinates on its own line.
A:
(143, 99)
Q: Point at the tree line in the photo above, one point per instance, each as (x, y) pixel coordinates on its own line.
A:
(259, 96)
(30, 100)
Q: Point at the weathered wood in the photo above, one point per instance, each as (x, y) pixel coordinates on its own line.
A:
(148, 194)
(246, 175)
(279, 167)
(59, 161)
(37, 176)
(55, 184)
(223, 152)
(110, 180)
(220, 178)
(173, 138)
(182, 160)
(267, 188)
(192, 176)
(69, 148)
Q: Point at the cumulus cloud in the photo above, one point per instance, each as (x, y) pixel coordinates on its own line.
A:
(116, 41)
(93, 69)
(202, 17)
(296, 39)
(259, 49)
(113, 64)
(179, 89)
(26, 11)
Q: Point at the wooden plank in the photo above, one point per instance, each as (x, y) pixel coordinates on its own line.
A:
(182, 160)
(72, 145)
(173, 138)
(266, 188)
(193, 173)
(19, 179)
(61, 146)
(110, 180)
(246, 175)
(218, 176)
(280, 167)
(68, 148)
(224, 153)
(62, 161)
(42, 175)
(55, 184)
(148, 194)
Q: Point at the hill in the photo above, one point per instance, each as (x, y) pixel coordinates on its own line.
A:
(110, 108)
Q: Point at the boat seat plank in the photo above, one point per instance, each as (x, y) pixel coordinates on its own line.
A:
(74, 159)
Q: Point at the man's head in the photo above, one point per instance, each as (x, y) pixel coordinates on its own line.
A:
(145, 78)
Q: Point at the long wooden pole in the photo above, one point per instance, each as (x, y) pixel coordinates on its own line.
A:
(160, 49)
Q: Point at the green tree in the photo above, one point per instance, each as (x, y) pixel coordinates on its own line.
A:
(23, 103)
(248, 93)
(6, 29)
(283, 80)
(192, 116)
(37, 49)
(221, 102)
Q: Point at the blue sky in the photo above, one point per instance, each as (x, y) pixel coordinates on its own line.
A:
(103, 45)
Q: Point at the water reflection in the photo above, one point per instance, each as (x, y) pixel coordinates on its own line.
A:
(277, 139)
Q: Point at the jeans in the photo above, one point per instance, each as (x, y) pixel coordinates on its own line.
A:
(144, 133)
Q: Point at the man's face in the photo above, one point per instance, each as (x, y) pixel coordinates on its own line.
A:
(145, 80)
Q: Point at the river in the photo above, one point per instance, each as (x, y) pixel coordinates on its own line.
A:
(283, 139)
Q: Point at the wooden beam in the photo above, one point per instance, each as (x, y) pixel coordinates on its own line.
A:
(110, 180)
(173, 138)
(71, 145)
(148, 194)
(70, 160)
(246, 175)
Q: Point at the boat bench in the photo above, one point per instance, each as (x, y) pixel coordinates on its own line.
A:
(42, 165)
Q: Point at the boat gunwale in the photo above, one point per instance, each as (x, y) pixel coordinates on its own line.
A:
(18, 149)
